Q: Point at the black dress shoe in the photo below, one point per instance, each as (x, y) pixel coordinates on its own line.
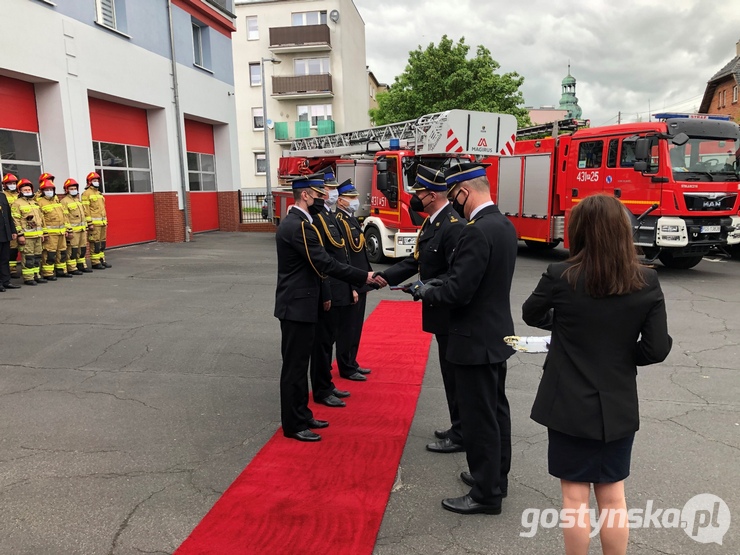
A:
(466, 505)
(468, 479)
(356, 377)
(317, 424)
(11, 286)
(444, 446)
(441, 434)
(339, 393)
(304, 435)
(332, 401)
(2, 289)
(363, 370)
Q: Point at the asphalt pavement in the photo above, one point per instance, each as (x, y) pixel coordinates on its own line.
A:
(131, 398)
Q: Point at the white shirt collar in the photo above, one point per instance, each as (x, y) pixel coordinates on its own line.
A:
(481, 207)
(431, 218)
(310, 219)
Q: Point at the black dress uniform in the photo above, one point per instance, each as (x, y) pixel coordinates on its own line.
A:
(302, 263)
(350, 326)
(477, 292)
(434, 248)
(340, 294)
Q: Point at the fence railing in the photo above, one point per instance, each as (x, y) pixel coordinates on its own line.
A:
(253, 206)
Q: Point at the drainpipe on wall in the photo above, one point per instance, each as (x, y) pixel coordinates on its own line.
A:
(178, 117)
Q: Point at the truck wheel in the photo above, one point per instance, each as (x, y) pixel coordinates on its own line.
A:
(678, 262)
(540, 245)
(373, 245)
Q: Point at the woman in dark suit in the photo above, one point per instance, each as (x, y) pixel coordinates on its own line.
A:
(607, 316)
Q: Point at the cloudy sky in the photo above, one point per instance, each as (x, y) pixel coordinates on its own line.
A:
(630, 56)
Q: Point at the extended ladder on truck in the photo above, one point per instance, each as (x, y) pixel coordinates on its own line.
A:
(553, 128)
(451, 132)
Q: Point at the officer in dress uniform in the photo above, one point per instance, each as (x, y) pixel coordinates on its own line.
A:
(434, 248)
(477, 292)
(302, 265)
(336, 295)
(350, 325)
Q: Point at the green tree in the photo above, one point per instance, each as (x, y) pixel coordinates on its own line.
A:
(442, 77)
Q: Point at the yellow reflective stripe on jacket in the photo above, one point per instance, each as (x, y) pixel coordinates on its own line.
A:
(33, 233)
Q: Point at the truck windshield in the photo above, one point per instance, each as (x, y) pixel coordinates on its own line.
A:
(703, 159)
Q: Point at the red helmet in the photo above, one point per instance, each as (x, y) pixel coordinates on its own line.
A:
(45, 177)
(9, 178)
(91, 176)
(46, 184)
(24, 182)
(69, 183)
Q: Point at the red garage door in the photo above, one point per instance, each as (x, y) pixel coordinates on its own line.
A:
(201, 176)
(121, 152)
(19, 130)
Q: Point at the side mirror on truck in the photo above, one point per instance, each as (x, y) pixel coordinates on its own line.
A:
(642, 154)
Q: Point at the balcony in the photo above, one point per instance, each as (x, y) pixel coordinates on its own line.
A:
(302, 130)
(302, 38)
(302, 86)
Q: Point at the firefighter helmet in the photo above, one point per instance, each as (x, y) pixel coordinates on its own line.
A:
(70, 183)
(46, 184)
(9, 178)
(45, 177)
(25, 182)
(91, 176)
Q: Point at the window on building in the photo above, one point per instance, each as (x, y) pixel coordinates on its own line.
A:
(260, 165)
(20, 154)
(253, 32)
(197, 45)
(611, 157)
(201, 172)
(734, 94)
(314, 113)
(309, 18)
(590, 154)
(123, 168)
(255, 74)
(311, 66)
(107, 12)
(258, 122)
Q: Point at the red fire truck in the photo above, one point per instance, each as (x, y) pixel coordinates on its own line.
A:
(681, 170)
(382, 163)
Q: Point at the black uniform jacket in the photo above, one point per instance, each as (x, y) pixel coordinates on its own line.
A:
(434, 248)
(477, 290)
(352, 233)
(7, 225)
(589, 384)
(301, 258)
(335, 290)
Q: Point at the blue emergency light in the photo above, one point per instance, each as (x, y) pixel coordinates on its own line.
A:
(671, 115)
(395, 144)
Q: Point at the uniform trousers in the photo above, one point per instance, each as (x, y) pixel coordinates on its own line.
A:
(31, 258)
(4, 262)
(97, 238)
(486, 427)
(76, 247)
(296, 345)
(448, 378)
(54, 255)
(349, 335)
(13, 257)
(326, 332)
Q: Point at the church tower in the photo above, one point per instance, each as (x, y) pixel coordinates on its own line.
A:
(568, 100)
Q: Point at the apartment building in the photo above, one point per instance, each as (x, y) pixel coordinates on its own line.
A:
(140, 91)
(312, 56)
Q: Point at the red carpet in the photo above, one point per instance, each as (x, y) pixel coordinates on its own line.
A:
(329, 497)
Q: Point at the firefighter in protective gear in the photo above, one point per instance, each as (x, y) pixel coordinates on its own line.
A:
(30, 225)
(10, 188)
(46, 177)
(77, 244)
(56, 229)
(94, 204)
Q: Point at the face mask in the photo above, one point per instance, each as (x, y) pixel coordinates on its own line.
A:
(72, 192)
(316, 207)
(12, 187)
(27, 195)
(417, 203)
(48, 193)
(95, 184)
(333, 196)
(354, 205)
(459, 207)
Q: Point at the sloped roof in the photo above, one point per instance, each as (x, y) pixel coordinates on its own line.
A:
(730, 70)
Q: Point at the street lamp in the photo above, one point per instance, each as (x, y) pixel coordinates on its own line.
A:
(268, 181)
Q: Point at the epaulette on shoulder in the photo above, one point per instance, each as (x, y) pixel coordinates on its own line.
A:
(471, 222)
(453, 219)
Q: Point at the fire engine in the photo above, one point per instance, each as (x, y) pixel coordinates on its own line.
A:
(678, 178)
(382, 162)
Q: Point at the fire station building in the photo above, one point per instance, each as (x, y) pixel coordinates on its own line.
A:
(139, 91)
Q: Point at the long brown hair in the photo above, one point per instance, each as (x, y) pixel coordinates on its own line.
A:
(601, 248)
